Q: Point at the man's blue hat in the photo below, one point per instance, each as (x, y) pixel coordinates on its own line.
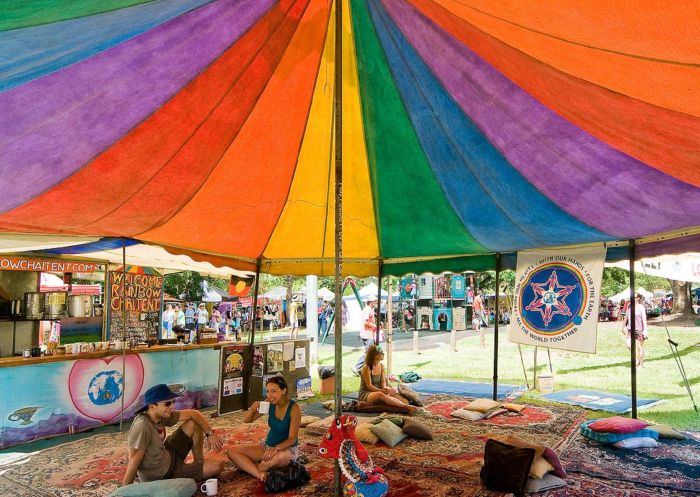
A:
(157, 393)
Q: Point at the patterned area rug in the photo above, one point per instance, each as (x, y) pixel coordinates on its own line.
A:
(674, 464)
(446, 466)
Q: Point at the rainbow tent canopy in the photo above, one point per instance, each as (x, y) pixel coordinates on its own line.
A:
(470, 128)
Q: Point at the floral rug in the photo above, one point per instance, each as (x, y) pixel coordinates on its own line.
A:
(674, 464)
(449, 465)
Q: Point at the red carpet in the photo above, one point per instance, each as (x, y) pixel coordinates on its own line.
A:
(447, 466)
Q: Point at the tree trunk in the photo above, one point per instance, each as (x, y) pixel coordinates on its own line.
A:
(681, 297)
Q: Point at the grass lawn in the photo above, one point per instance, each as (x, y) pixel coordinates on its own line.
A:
(608, 370)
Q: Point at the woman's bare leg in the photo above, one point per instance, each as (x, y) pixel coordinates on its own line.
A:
(382, 398)
(247, 457)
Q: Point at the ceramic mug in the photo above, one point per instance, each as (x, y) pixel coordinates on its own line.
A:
(264, 407)
(211, 486)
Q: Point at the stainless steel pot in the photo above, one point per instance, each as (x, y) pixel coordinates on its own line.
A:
(55, 305)
(34, 305)
(80, 306)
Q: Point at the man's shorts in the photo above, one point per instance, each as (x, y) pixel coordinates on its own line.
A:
(179, 445)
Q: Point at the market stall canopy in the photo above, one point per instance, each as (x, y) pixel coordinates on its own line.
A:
(110, 250)
(276, 293)
(469, 128)
(625, 294)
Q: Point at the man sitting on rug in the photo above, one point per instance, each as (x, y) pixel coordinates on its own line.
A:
(155, 457)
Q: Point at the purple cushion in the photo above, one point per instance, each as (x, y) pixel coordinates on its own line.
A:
(618, 424)
(553, 459)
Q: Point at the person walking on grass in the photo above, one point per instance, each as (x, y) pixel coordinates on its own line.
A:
(153, 456)
(281, 446)
(641, 330)
(477, 315)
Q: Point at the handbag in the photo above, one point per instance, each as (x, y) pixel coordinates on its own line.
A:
(293, 476)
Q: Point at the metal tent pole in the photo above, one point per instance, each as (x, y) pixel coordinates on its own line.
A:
(632, 318)
(338, 108)
(121, 415)
(495, 330)
(254, 308)
(377, 332)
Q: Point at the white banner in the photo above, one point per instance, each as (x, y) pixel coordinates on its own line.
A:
(684, 267)
(557, 296)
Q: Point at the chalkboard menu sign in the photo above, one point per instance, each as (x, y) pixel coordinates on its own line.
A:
(142, 288)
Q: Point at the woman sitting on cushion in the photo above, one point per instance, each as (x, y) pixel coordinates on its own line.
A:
(373, 385)
(281, 445)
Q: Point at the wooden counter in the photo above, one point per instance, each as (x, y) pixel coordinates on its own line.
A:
(7, 362)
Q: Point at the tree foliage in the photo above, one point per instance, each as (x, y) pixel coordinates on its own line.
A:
(187, 285)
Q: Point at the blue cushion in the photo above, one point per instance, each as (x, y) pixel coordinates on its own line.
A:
(611, 438)
(176, 487)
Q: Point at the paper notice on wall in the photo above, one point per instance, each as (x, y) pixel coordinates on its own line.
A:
(300, 357)
(288, 351)
(233, 386)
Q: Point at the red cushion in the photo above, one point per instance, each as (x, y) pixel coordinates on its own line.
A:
(618, 424)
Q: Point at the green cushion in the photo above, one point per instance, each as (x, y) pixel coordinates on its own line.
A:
(397, 420)
(176, 487)
(388, 432)
(666, 431)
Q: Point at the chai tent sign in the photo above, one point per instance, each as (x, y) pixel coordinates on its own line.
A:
(557, 297)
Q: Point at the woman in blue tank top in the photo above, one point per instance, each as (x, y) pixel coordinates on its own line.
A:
(281, 445)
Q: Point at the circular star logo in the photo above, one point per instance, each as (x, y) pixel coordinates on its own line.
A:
(553, 299)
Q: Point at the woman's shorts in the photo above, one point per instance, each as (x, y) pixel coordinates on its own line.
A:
(294, 451)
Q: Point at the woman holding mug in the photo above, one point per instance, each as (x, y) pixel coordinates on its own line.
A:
(281, 445)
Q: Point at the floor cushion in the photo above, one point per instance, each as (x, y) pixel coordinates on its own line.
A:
(307, 420)
(520, 443)
(547, 482)
(321, 426)
(611, 438)
(540, 467)
(468, 415)
(666, 431)
(388, 432)
(367, 407)
(618, 424)
(482, 405)
(410, 394)
(175, 487)
(514, 407)
(636, 443)
(494, 412)
(506, 468)
(553, 459)
(416, 429)
(365, 434)
(397, 420)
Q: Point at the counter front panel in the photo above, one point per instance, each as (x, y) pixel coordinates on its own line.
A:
(49, 398)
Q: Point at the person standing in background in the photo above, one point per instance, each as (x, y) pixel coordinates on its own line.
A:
(202, 316)
(640, 328)
(477, 316)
